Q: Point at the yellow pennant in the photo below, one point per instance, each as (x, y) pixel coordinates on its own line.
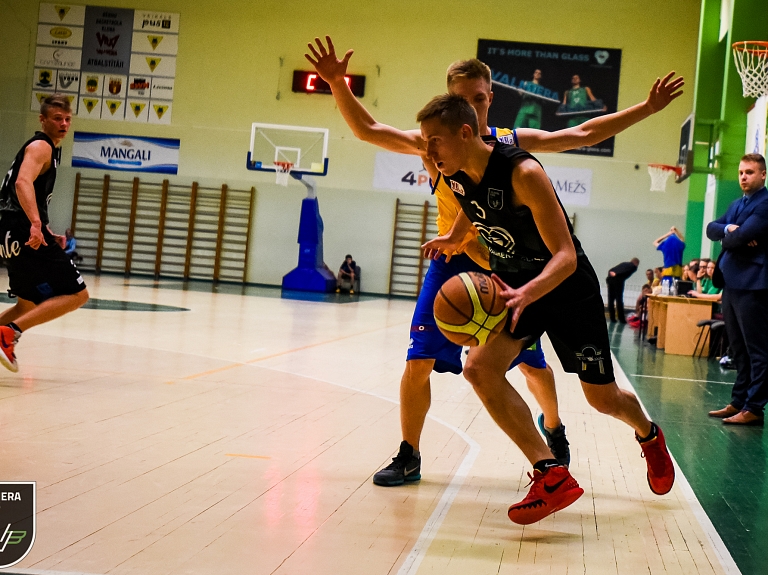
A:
(153, 63)
(62, 11)
(160, 110)
(90, 104)
(137, 108)
(113, 106)
(154, 41)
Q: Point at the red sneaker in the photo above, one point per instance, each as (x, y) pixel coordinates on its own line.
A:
(661, 471)
(7, 343)
(551, 491)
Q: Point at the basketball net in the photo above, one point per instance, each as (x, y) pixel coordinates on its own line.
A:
(282, 172)
(659, 175)
(751, 59)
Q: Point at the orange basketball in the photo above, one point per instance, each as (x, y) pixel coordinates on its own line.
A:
(469, 310)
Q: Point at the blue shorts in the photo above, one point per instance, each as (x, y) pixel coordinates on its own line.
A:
(427, 342)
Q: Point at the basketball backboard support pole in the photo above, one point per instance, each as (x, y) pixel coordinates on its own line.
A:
(302, 152)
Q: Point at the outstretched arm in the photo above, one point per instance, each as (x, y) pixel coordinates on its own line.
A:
(360, 121)
(596, 130)
(450, 242)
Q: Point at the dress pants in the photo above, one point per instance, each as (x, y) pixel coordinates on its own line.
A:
(745, 313)
(616, 295)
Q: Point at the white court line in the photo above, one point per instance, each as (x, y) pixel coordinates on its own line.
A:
(723, 555)
(432, 526)
(680, 379)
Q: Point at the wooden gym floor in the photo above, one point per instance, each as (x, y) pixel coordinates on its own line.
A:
(237, 434)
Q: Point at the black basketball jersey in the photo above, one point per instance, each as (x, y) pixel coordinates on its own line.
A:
(510, 232)
(9, 200)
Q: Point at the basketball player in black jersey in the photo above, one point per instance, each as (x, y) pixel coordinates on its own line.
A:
(549, 286)
(41, 276)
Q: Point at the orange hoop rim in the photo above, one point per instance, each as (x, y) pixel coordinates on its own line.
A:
(751, 46)
(284, 166)
(676, 169)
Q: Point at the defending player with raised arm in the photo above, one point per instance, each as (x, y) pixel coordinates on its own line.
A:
(477, 91)
(547, 279)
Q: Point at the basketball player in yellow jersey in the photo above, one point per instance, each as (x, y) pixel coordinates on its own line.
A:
(428, 349)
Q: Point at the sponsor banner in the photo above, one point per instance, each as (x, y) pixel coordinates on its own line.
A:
(39, 95)
(61, 58)
(137, 111)
(112, 109)
(162, 88)
(107, 55)
(125, 153)
(551, 86)
(18, 509)
(400, 172)
(68, 81)
(44, 79)
(160, 112)
(150, 21)
(62, 14)
(61, 36)
(107, 39)
(89, 107)
(572, 185)
(92, 84)
(153, 65)
(154, 43)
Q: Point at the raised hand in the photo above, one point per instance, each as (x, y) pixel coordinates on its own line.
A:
(324, 60)
(663, 91)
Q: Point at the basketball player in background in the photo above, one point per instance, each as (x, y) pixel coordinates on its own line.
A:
(429, 350)
(549, 285)
(41, 276)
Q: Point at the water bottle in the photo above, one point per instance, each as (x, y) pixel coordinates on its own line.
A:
(665, 286)
(673, 289)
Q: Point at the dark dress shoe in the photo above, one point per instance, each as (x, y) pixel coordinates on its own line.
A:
(727, 411)
(745, 418)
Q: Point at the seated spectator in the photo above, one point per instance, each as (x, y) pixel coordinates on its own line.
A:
(649, 277)
(657, 275)
(346, 272)
(692, 274)
(704, 284)
(636, 320)
(69, 247)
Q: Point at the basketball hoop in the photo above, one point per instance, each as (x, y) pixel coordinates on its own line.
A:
(660, 174)
(751, 58)
(282, 172)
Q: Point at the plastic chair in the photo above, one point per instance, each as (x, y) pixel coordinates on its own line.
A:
(707, 325)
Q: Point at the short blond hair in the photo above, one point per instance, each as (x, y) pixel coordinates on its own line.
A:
(56, 100)
(452, 111)
(469, 69)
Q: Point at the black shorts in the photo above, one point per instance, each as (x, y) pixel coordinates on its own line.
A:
(573, 316)
(35, 275)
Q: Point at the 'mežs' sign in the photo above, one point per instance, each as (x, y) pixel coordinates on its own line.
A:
(572, 185)
(125, 153)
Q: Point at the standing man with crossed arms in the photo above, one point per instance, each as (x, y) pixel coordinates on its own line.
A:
(429, 350)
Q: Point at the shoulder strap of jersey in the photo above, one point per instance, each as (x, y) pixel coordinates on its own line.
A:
(495, 133)
(436, 182)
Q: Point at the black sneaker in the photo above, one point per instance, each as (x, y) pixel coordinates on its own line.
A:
(404, 467)
(557, 442)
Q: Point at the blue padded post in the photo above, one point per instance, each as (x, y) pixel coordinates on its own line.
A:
(310, 274)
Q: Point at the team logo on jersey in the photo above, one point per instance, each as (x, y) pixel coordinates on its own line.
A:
(499, 241)
(17, 521)
(495, 199)
(508, 139)
(457, 188)
(590, 354)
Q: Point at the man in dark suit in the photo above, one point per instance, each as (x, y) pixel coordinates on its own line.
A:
(615, 281)
(744, 264)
